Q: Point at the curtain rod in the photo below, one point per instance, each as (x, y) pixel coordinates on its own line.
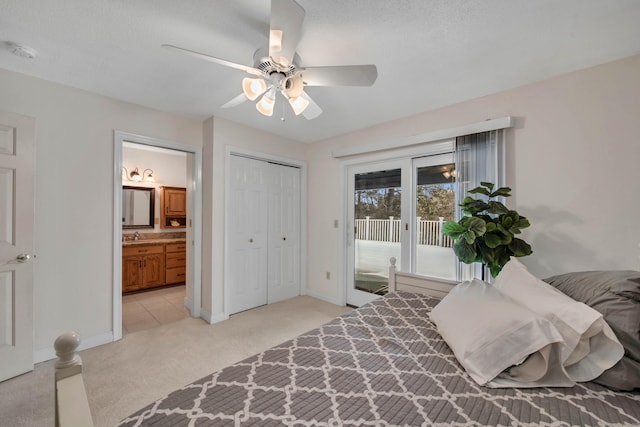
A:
(487, 125)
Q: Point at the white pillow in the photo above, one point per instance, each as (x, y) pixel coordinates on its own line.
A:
(590, 346)
(489, 333)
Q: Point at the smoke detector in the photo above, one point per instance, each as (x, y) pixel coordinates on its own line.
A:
(23, 51)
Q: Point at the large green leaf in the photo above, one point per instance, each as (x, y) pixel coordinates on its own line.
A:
(478, 226)
(491, 226)
(469, 236)
(519, 225)
(480, 190)
(489, 185)
(464, 251)
(520, 248)
(497, 208)
(492, 240)
(501, 192)
(506, 221)
(473, 206)
(453, 229)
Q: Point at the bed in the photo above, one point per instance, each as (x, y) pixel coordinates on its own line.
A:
(383, 364)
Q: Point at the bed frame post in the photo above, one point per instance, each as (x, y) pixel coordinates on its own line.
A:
(392, 274)
(71, 403)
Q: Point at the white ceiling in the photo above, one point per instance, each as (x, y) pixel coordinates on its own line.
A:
(429, 53)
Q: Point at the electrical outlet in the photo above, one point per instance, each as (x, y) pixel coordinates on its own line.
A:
(328, 275)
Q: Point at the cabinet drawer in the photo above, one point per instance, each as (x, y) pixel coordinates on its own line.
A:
(176, 259)
(176, 247)
(175, 275)
(142, 250)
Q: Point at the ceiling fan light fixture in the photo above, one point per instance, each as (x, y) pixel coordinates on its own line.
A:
(266, 103)
(253, 88)
(299, 104)
(293, 86)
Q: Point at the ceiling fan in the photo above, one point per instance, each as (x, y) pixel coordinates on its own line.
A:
(276, 68)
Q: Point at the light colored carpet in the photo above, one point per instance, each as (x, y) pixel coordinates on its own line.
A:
(124, 376)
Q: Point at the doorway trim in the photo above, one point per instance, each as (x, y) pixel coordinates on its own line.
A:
(237, 151)
(196, 177)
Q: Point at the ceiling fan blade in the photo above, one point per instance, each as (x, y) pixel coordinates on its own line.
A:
(210, 58)
(313, 110)
(287, 16)
(340, 75)
(235, 101)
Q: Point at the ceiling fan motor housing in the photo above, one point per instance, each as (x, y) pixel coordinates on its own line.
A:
(282, 76)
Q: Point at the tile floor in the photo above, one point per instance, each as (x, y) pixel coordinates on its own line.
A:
(146, 310)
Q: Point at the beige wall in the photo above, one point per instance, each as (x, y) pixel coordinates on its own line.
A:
(572, 161)
(74, 197)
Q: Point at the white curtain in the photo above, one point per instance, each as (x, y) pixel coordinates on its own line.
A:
(479, 158)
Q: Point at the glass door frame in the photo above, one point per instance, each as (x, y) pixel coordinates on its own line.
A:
(353, 296)
(418, 162)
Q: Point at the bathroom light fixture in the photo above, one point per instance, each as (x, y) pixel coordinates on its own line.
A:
(149, 176)
(135, 175)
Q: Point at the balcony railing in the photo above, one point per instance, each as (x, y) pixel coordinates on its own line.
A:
(428, 232)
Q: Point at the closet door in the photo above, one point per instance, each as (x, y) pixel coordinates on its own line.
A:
(284, 233)
(248, 234)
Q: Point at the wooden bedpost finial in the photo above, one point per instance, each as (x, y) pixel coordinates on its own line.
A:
(392, 260)
(66, 346)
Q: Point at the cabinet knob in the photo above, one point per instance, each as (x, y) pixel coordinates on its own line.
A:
(284, 238)
(251, 240)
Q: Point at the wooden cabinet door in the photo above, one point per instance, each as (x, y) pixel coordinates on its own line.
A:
(153, 267)
(175, 203)
(131, 273)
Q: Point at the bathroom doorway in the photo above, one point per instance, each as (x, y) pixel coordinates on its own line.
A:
(157, 223)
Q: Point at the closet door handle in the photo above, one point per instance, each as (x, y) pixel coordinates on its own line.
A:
(251, 240)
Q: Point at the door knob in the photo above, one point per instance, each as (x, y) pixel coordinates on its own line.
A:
(23, 258)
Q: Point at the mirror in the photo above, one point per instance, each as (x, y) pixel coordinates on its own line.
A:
(138, 205)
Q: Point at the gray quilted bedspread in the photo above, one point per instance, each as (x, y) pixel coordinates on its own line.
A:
(383, 364)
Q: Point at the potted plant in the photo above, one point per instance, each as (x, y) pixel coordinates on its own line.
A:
(486, 233)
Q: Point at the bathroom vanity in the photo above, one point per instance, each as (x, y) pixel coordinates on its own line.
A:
(150, 263)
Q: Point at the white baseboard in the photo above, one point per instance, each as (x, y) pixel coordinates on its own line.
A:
(45, 354)
(211, 319)
(322, 297)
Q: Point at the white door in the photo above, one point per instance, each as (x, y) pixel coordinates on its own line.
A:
(16, 244)
(284, 233)
(248, 240)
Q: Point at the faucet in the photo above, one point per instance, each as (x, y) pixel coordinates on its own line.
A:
(136, 236)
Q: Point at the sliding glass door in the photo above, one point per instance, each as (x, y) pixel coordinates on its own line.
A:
(376, 206)
(397, 209)
(434, 203)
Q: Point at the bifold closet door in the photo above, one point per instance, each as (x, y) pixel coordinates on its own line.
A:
(248, 234)
(264, 233)
(284, 233)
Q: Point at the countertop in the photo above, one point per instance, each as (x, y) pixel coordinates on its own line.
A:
(151, 241)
